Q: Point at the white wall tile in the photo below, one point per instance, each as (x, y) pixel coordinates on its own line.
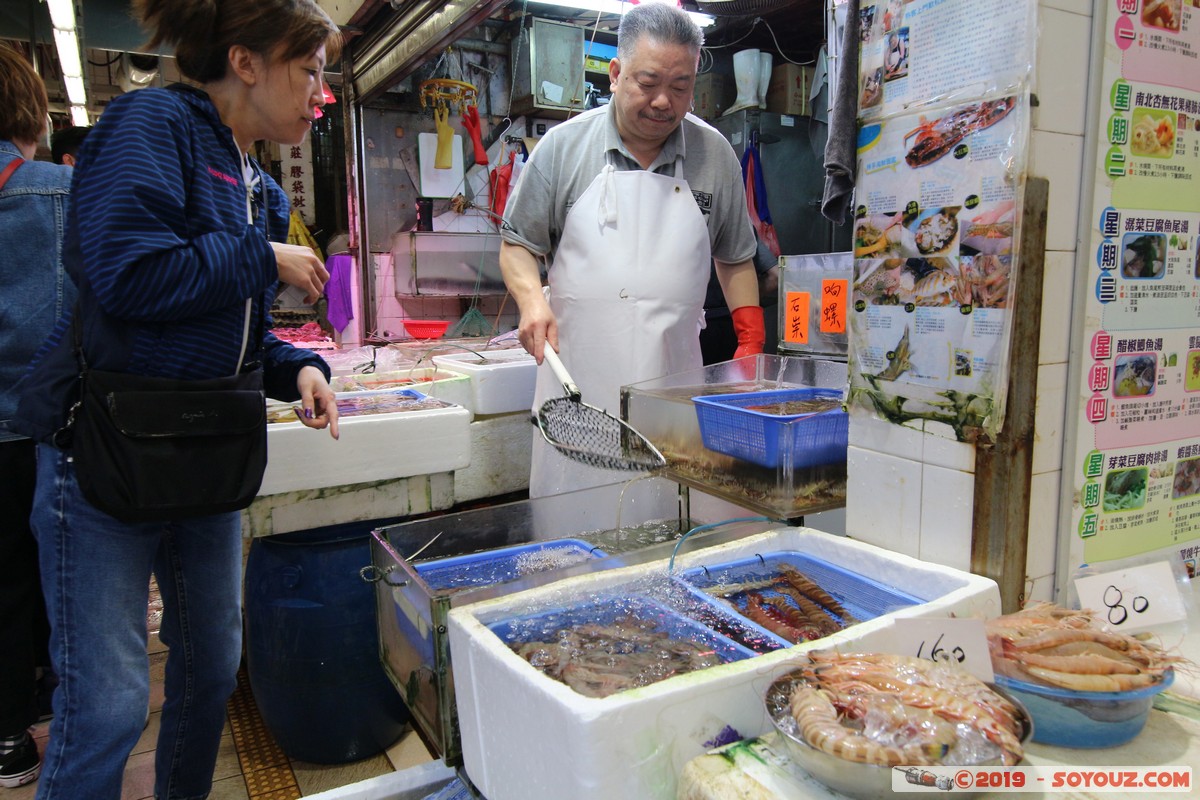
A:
(942, 451)
(1060, 71)
(1058, 286)
(872, 433)
(947, 503)
(1042, 543)
(1059, 158)
(1040, 589)
(1048, 418)
(1083, 7)
(883, 500)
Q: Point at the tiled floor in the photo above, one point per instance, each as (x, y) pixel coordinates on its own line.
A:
(250, 763)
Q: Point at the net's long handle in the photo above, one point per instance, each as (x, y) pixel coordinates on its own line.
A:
(560, 371)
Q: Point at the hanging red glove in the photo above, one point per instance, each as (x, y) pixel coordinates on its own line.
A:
(499, 182)
(470, 123)
(750, 329)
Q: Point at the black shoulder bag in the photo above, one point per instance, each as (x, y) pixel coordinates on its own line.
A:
(152, 449)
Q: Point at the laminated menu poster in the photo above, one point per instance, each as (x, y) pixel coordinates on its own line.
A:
(1135, 472)
(935, 234)
(925, 53)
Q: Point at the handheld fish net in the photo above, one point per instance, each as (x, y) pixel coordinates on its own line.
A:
(589, 435)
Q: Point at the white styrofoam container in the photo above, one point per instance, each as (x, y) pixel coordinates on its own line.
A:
(526, 736)
(372, 447)
(503, 385)
(450, 385)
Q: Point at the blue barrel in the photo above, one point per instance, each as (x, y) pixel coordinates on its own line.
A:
(312, 648)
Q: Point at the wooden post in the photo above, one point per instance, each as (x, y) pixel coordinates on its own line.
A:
(1000, 524)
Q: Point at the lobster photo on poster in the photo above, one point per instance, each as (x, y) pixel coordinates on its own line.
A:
(1137, 443)
(935, 233)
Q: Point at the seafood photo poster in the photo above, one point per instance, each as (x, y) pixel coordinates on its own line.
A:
(1135, 474)
(935, 234)
(931, 53)
(943, 134)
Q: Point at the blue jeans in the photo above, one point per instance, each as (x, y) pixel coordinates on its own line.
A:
(96, 575)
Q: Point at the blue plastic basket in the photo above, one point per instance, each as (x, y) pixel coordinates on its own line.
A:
(1065, 718)
(862, 597)
(504, 564)
(728, 426)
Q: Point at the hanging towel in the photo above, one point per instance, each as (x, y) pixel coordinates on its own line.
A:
(337, 292)
(842, 145)
(756, 197)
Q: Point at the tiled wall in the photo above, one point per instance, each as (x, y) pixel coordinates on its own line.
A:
(1056, 153)
(392, 310)
(912, 491)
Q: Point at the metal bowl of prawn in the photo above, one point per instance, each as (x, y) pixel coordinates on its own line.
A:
(845, 766)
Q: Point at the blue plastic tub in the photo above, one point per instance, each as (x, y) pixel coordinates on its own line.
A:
(312, 651)
(769, 440)
(862, 597)
(505, 564)
(1066, 718)
(546, 625)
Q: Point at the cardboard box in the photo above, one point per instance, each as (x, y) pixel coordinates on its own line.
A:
(715, 92)
(789, 89)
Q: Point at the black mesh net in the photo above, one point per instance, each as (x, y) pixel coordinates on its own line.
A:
(593, 437)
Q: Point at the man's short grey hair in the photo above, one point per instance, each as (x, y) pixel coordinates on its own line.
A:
(659, 21)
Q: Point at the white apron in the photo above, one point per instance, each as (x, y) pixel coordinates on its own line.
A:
(627, 287)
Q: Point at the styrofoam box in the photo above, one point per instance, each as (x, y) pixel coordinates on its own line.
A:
(526, 736)
(372, 447)
(444, 384)
(503, 385)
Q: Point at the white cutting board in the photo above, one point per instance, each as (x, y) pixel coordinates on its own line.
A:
(439, 182)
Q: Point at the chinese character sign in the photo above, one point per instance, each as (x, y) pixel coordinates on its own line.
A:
(1136, 465)
(297, 178)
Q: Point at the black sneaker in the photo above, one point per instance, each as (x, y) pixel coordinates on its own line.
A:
(21, 765)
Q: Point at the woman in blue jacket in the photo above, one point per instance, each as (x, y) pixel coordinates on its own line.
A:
(174, 241)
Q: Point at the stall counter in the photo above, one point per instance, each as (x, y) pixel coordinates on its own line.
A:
(499, 464)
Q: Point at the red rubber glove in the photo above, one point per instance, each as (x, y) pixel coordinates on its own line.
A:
(470, 123)
(750, 329)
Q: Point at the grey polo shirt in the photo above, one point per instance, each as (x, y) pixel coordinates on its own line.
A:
(571, 155)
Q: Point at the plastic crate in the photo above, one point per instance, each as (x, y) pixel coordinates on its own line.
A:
(862, 597)
(728, 426)
(546, 626)
(504, 564)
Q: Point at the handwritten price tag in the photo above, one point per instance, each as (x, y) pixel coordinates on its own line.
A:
(1134, 599)
(834, 293)
(795, 321)
(940, 638)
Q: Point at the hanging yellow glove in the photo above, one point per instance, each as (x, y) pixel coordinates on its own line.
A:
(444, 158)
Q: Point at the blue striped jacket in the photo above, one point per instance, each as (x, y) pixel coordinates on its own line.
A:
(159, 246)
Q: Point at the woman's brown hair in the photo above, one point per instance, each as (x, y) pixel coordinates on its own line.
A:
(23, 101)
(202, 31)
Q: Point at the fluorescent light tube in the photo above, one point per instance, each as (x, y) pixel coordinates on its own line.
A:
(79, 116)
(62, 14)
(76, 93)
(68, 52)
(618, 8)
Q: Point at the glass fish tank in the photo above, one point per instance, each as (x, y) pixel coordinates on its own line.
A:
(767, 433)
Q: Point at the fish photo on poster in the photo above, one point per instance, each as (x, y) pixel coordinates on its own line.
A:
(1143, 255)
(933, 139)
